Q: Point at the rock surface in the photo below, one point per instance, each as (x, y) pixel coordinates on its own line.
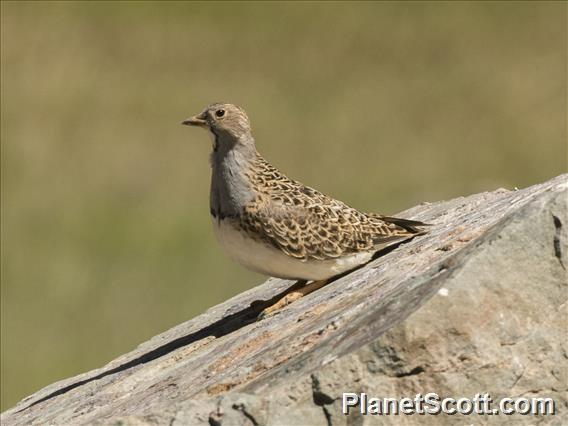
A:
(476, 306)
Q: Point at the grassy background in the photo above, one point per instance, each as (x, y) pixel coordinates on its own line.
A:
(106, 238)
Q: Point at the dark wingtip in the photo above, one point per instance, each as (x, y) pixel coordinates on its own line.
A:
(410, 225)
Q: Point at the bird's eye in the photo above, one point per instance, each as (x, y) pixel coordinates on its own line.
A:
(220, 113)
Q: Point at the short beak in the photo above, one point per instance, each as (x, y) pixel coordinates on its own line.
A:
(198, 120)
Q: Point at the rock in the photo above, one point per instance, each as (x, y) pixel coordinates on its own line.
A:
(476, 306)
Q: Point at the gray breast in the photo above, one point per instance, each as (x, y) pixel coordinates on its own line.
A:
(230, 188)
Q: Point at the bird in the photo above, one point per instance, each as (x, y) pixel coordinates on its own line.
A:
(275, 225)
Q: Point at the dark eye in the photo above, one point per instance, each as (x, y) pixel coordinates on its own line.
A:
(220, 113)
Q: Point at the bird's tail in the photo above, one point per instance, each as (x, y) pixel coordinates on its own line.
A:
(413, 226)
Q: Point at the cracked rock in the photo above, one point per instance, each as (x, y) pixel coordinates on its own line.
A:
(478, 305)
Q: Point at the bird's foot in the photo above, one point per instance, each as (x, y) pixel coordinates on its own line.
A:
(294, 295)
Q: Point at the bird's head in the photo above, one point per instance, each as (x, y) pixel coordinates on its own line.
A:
(228, 123)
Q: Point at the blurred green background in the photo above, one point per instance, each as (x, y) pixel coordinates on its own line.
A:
(106, 239)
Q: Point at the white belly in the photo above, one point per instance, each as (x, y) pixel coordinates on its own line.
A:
(267, 260)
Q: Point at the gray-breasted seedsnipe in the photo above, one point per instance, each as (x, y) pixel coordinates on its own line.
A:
(275, 225)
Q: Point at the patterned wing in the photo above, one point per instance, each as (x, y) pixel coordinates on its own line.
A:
(306, 224)
(312, 229)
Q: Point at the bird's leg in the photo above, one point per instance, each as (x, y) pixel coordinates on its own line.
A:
(293, 295)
